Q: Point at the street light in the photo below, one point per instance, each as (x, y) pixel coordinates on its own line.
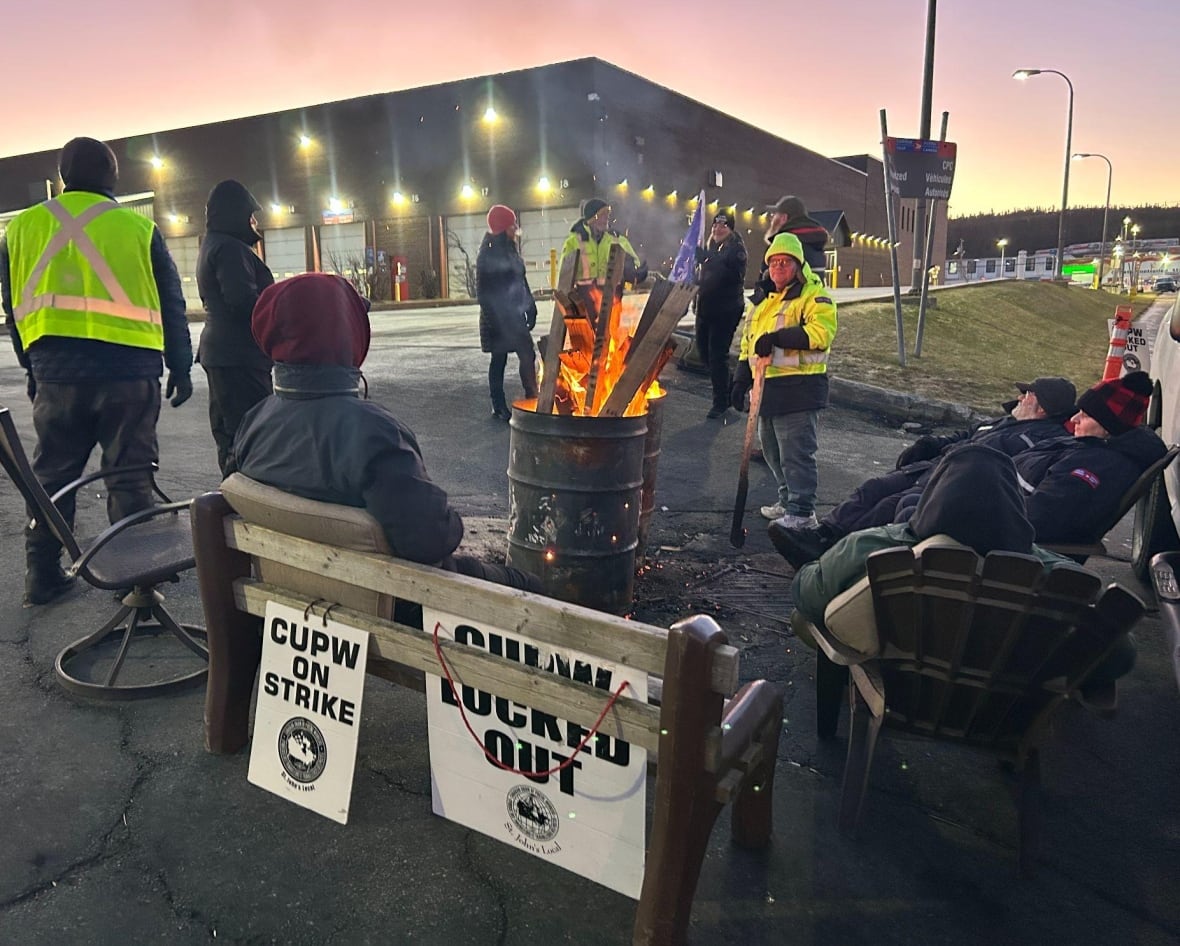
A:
(1105, 211)
(1003, 245)
(1024, 74)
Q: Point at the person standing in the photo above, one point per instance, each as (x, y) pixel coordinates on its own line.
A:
(507, 309)
(230, 278)
(789, 215)
(94, 309)
(593, 237)
(794, 326)
(720, 304)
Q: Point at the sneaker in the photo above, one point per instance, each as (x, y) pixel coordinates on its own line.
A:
(800, 546)
(787, 521)
(773, 512)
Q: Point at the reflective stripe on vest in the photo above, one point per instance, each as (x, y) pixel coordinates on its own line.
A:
(49, 309)
(794, 357)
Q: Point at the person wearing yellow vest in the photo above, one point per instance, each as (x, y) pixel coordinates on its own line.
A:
(592, 237)
(92, 301)
(794, 327)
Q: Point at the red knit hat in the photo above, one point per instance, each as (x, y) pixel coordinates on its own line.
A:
(1119, 404)
(312, 319)
(500, 218)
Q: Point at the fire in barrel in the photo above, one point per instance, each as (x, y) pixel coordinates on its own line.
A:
(576, 468)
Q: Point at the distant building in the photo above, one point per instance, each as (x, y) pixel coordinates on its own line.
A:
(392, 189)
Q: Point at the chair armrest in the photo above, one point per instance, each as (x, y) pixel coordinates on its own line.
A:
(871, 686)
(101, 474)
(833, 649)
(126, 522)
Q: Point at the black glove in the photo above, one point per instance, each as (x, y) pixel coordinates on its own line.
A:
(180, 385)
(31, 386)
(737, 395)
(640, 274)
(765, 345)
(924, 448)
(700, 253)
(530, 317)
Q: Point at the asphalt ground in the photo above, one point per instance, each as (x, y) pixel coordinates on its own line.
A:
(119, 827)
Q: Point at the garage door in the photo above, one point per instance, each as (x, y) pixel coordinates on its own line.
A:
(342, 248)
(184, 252)
(464, 235)
(286, 251)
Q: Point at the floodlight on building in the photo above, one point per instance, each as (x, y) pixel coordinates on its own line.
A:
(467, 192)
(671, 198)
(304, 141)
(398, 198)
(157, 161)
(279, 209)
(543, 185)
(335, 205)
(649, 192)
(490, 116)
(178, 218)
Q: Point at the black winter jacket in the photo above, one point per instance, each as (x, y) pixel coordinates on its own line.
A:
(722, 279)
(1074, 485)
(316, 438)
(230, 278)
(1006, 434)
(813, 237)
(507, 309)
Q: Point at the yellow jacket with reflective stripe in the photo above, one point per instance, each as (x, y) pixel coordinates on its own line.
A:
(94, 280)
(595, 253)
(813, 309)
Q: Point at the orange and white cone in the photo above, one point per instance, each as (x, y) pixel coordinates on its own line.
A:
(1118, 344)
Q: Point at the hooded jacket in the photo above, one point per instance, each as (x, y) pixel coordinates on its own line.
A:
(812, 236)
(315, 437)
(507, 309)
(1074, 485)
(972, 496)
(722, 279)
(597, 253)
(230, 278)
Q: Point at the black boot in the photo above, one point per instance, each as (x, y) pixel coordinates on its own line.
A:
(500, 410)
(800, 546)
(45, 582)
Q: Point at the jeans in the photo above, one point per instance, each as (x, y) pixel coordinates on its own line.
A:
(788, 446)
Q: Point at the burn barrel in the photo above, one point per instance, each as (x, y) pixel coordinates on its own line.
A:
(651, 461)
(574, 487)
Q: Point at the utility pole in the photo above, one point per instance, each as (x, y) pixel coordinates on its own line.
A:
(924, 134)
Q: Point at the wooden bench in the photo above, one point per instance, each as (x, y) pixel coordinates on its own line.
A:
(706, 751)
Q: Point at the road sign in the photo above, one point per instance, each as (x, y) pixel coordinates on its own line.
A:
(919, 168)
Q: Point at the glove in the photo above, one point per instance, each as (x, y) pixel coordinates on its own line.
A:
(765, 345)
(530, 316)
(924, 448)
(31, 386)
(180, 385)
(737, 395)
(640, 273)
(699, 253)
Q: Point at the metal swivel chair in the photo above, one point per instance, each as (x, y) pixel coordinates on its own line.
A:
(138, 552)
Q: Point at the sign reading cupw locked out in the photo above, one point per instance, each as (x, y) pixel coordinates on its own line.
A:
(582, 810)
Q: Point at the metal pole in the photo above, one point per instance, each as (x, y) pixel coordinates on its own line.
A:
(1065, 180)
(927, 249)
(1105, 212)
(892, 225)
(924, 134)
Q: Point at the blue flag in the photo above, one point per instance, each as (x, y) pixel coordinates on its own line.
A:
(686, 260)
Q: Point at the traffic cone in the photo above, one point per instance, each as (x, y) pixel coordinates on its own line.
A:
(1118, 344)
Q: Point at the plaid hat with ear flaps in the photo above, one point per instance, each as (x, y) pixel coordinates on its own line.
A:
(1119, 404)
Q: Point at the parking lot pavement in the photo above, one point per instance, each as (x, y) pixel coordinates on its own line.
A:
(121, 828)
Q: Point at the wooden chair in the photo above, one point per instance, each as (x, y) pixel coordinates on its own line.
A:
(140, 552)
(1080, 551)
(980, 651)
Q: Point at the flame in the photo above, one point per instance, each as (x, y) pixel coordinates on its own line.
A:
(576, 368)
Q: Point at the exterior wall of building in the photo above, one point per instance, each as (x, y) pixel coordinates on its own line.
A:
(585, 126)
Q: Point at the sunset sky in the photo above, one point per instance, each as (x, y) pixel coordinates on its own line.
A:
(813, 74)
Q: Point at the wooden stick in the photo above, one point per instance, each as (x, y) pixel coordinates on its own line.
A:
(556, 340)
(737, 532)
(611, 287)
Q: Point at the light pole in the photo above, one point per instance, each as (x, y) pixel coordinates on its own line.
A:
(1024, 74)
(1003, 245)
(1105, 211)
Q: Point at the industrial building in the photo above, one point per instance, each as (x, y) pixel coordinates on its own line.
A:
(392, 189)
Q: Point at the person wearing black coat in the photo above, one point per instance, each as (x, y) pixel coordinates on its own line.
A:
(230, 278)
(507, 309)
(789, 215)
(720, 304)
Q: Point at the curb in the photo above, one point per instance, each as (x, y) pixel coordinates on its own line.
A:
(898, 406)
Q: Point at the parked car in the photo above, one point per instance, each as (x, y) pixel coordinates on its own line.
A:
(1157, 515)
(1164, 284)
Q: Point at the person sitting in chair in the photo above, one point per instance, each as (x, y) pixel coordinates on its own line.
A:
(318, 438)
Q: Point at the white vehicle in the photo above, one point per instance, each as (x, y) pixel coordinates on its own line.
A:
(1157, 514)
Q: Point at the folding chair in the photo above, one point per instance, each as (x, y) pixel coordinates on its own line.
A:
(139, 552)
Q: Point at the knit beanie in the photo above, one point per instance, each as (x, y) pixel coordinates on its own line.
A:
(86, 164)
(500, 218)
(591, 207)
(1119, 404)
(786, 243)
(312, 319)
(727, 218)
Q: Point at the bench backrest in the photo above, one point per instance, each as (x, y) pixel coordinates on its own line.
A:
(982, 649)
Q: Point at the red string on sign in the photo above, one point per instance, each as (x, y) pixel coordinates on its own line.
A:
(491, 756)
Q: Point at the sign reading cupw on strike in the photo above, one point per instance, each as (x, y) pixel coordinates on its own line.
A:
(919, 168)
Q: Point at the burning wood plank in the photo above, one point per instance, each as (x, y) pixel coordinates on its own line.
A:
(649, 351)
(556, 340)
(612, 292)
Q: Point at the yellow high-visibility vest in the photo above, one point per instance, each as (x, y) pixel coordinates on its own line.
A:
(80, 266)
